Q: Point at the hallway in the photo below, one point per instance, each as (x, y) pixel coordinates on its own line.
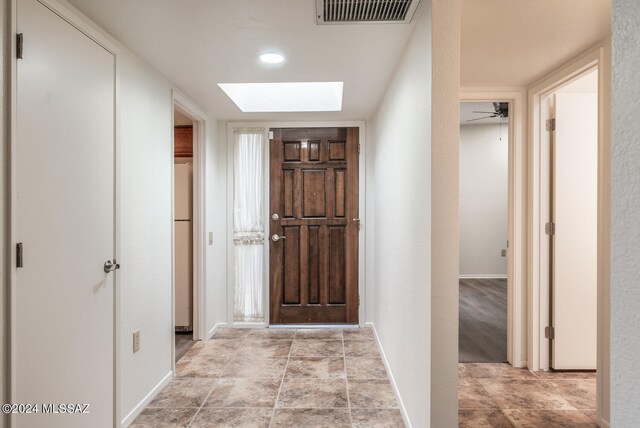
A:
(278, 378)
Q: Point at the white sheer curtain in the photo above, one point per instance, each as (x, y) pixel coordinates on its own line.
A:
(248, 224)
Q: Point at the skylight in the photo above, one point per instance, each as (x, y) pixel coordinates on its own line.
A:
(285, 96)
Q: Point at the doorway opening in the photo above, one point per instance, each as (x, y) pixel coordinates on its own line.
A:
(484, 220)
(183, 232)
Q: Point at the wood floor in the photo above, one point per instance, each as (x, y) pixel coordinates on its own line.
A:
(184, 342)
(483, 321)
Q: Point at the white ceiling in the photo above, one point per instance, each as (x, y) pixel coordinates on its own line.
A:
(467, 113)
(197, 44)
(514, 42)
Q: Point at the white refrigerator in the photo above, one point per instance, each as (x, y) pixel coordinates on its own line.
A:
(183, 245)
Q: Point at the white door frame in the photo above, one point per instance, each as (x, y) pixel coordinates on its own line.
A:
(538, 307)
(230, 250)
(184, 105)
(69, 14)
(516, 266)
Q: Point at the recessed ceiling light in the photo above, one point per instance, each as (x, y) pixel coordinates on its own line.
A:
(272, 58)
(285, 96)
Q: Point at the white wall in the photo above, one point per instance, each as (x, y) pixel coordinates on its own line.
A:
(400, 171)
(216, 222)
(445, 133)
(625, 206)
(484, 164)
(144, 109)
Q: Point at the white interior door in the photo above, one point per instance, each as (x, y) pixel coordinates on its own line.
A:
(64, 302)
(574, 290)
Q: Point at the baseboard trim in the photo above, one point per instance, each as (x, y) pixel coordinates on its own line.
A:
(490, 276)
(146, 400)
(394, 386)
(214, 328)
(603, 424)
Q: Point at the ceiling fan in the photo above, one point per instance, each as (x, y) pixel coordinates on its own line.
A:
(501, 111)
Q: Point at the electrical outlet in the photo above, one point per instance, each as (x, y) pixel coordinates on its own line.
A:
(503, 252)
(136, 341)
(210, 238)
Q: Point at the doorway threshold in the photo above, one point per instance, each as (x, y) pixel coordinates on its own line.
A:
(314, 326)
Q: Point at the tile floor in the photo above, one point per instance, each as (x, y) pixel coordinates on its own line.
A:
(497, 395)
(278, 378)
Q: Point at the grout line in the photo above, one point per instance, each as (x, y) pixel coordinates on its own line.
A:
(346, 379)
(286, 366)
(235, 353)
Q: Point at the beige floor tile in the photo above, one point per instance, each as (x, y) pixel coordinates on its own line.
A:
(316, 418)
(477, 418)
(267, 368)
(371, 394)
(313, 393)
(360, 348)
(316, 367)
(219, 347)
(184, 393)
(211, 417)
(524, 394)
(370, 367)
(271, 333)
(579, 392)
(164, 418)
(553, 375)
(231, 333)
(244, 393)
(317, 348)
(376, 418)
(497, 370)
(319, 334)
(201, 366)
(471, 395)
(551, 418)
(463, 372)
(358, 333)
(269, 348)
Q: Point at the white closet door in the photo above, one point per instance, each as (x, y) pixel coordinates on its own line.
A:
(64, 332)
(575, 240)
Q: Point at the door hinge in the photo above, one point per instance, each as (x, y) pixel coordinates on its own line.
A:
(551, 124)
(550, 228)
(19, 45)
(549, 332)
(19, 255)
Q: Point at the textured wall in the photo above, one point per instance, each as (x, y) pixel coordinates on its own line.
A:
(145, 162)
(625, 214)
(401, 182)
(484, 199)
(445, 134)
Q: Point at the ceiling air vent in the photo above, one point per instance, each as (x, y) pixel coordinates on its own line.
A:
(365, 11)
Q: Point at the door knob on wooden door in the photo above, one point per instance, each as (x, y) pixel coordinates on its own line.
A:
(276, 238)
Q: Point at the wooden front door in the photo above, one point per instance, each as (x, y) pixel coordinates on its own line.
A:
(314, 209)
